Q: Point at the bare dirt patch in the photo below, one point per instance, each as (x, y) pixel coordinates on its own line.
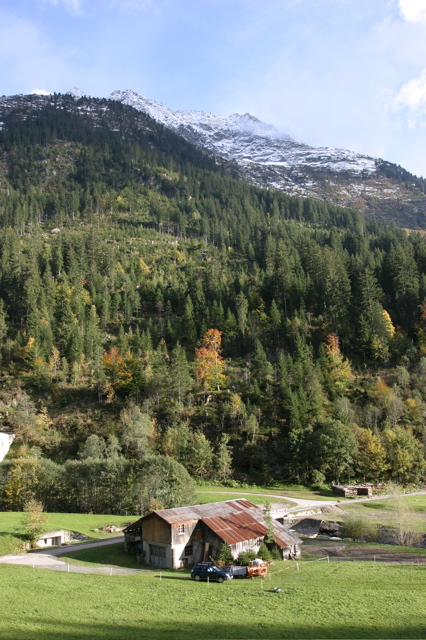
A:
(341, 551)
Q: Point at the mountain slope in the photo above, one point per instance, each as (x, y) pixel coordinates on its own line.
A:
(129, 258)
(274, 160)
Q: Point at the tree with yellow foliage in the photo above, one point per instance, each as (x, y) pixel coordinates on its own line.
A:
(338, 367)
(209, 364)
(371, 458)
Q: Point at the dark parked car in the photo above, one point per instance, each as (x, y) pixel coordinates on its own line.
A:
(204, 570)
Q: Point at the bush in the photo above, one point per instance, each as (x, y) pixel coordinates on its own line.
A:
(245, 557)
(34, 521)
(359, 527)
(264, 552)
(275, 554)
(225, 556)
(318, 482)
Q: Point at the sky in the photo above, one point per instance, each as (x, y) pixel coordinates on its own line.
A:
(335, 73)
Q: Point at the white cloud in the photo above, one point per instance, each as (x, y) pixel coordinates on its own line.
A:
(77, 7)
(29, 60)
(130, 5)
(73, 6)
(41, 92)
(413, 10)
(412, 97)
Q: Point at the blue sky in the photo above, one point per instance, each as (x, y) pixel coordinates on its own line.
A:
(338, 73)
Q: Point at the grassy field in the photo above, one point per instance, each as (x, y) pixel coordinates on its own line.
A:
(381, 511)
(320, 600)
(278, 490)
(204, 498)
(111, 555)
(10, 526)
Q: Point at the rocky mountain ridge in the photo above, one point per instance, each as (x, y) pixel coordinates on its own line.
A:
(273, 159)
(261, 154)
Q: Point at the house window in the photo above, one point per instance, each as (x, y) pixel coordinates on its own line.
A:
(188, 550)
(181, 528)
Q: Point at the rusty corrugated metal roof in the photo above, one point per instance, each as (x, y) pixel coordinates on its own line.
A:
(236, 527)
(180, 515)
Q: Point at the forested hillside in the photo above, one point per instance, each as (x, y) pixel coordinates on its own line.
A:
(160, 317)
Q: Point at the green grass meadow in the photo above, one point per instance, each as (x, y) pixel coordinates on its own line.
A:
(279, 490)
(110, 555)
(320, 600)
(10, 526)
(381, 511)
(204, 498)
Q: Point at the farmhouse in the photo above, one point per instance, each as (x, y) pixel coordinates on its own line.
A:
(180, 537)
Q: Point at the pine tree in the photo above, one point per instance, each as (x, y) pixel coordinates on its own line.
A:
(223, 458)
(180, 378)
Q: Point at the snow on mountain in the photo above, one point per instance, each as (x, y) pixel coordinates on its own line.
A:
(264, 155)
(76, 93)
(246, 140)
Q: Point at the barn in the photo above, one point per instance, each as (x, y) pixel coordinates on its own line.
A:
(182, 536)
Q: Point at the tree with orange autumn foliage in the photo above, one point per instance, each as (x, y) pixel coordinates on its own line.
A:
(209, 364)
(122, 374)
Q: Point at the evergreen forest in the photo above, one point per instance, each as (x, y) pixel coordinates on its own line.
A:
(162, 321)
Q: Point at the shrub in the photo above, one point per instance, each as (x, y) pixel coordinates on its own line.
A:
(34, 521)
(358, 527)
(264, 552)
(225, 556)
(245, 557)
(318, 482)
(275, 554)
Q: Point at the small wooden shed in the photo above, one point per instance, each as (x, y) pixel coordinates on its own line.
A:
(350, 491)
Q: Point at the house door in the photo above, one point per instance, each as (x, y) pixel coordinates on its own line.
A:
(157, 555)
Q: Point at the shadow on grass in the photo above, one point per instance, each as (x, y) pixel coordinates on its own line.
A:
(49, 629)
(169, 577)
(114, 555)
(12, 542)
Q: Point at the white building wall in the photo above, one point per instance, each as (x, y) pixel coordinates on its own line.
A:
(6, 440)
(54, 538)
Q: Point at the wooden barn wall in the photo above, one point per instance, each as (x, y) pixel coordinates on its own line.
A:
(156, 529)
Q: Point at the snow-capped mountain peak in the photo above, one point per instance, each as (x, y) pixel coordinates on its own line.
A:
(203, 122)
(246, 140)
(76, 93)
